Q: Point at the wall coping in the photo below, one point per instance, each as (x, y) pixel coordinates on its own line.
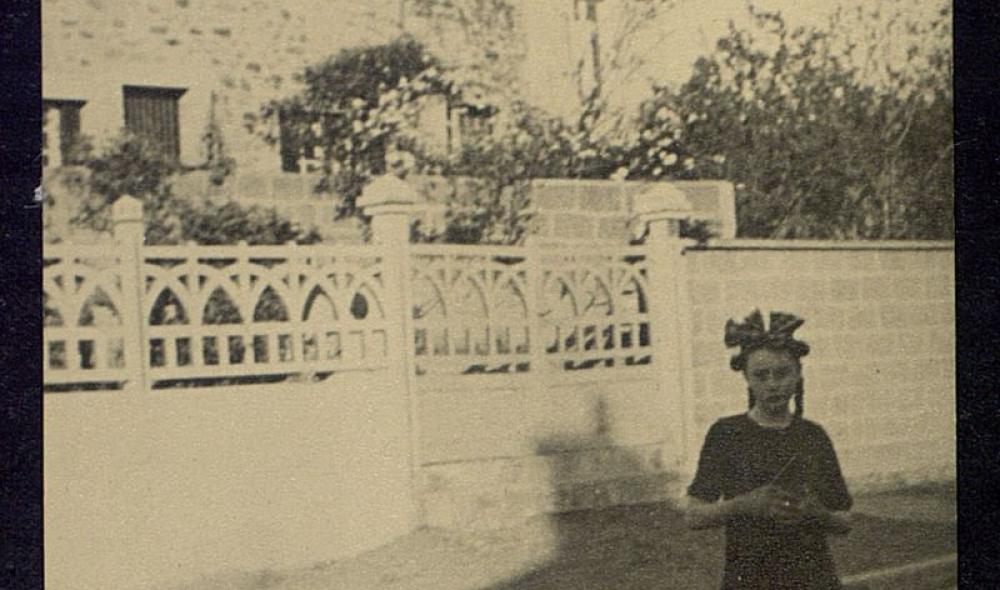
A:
(742, 244)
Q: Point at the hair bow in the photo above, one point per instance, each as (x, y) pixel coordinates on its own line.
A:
(751, 334)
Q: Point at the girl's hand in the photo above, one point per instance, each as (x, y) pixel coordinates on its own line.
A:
(814, 511)
(772, 502)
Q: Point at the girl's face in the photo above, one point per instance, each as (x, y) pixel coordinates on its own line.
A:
(773, 377)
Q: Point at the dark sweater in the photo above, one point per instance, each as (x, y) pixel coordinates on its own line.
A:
(739, 455)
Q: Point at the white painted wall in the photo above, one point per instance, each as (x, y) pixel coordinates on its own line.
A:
(165, 486)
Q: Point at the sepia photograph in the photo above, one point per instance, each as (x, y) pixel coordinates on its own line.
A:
(498, 295)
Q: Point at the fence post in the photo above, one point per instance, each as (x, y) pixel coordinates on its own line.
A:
(126, 214)
(534, 272)
(391, 203)
(661, 209)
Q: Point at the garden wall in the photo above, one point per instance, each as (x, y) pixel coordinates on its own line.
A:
(159, 487)
(453, 386)
(564, 210)
(497, 450)
(880, 379)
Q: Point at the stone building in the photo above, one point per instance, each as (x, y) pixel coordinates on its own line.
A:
(168, 69)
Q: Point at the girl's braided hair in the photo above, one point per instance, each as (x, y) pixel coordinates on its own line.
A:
(750, 335)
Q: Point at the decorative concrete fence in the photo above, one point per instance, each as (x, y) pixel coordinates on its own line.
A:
(246, 407)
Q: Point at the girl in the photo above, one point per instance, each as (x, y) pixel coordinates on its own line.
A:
(770, 476)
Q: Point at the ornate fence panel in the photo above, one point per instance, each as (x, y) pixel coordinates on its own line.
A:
(83, 335)
(487, 309)
(213, 312)
(262, 310)
(210, 313)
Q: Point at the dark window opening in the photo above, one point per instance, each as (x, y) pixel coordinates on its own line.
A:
(152, 113)
(60, 117)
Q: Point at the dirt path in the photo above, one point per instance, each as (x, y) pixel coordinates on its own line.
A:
(623, 548)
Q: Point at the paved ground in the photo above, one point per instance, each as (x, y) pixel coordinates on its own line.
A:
(920, 505)
(625, 548)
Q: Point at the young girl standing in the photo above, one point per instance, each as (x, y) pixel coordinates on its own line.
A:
(770, 476)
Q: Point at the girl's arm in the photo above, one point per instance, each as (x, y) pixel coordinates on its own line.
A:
(699, 514)
(768, 501)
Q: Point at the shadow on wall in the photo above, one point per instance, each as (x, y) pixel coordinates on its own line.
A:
(589, 471)
(612, 521)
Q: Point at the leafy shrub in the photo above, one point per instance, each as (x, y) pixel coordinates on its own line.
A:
(130, 165)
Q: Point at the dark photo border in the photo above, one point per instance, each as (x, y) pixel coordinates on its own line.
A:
(977, 248)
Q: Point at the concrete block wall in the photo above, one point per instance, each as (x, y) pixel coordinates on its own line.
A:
(880, 321)
(580, 211)
(587, 211)
(602, 210)
(157, 488)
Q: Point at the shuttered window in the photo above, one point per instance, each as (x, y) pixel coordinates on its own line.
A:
(61, 130)
(152, 112)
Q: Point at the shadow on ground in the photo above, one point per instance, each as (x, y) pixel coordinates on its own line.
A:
(626, 548)
(608, 532)
(611, 527)
(602, 544)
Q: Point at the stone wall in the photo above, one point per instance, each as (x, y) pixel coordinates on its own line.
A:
(242, 51)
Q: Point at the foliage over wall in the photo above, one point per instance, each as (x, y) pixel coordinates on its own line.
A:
(360, 109)
(352, 105)
(822, 140)
(129, 165)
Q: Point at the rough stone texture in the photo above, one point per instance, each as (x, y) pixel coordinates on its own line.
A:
(244, 51)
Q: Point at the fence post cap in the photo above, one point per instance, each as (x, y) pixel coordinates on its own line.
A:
(388, 193)
(662, 201)
(126, 208)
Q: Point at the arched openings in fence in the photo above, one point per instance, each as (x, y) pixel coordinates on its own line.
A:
(470, 310)
(224, 312)
(593, 309)
(498, 310)
(262, 311)
(82, 318)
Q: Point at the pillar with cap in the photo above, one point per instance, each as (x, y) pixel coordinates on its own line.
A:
(391, 203)
(661, 209)
(129, 233)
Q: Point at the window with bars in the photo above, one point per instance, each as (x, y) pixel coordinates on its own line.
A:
(152, 112)
(60, 121)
